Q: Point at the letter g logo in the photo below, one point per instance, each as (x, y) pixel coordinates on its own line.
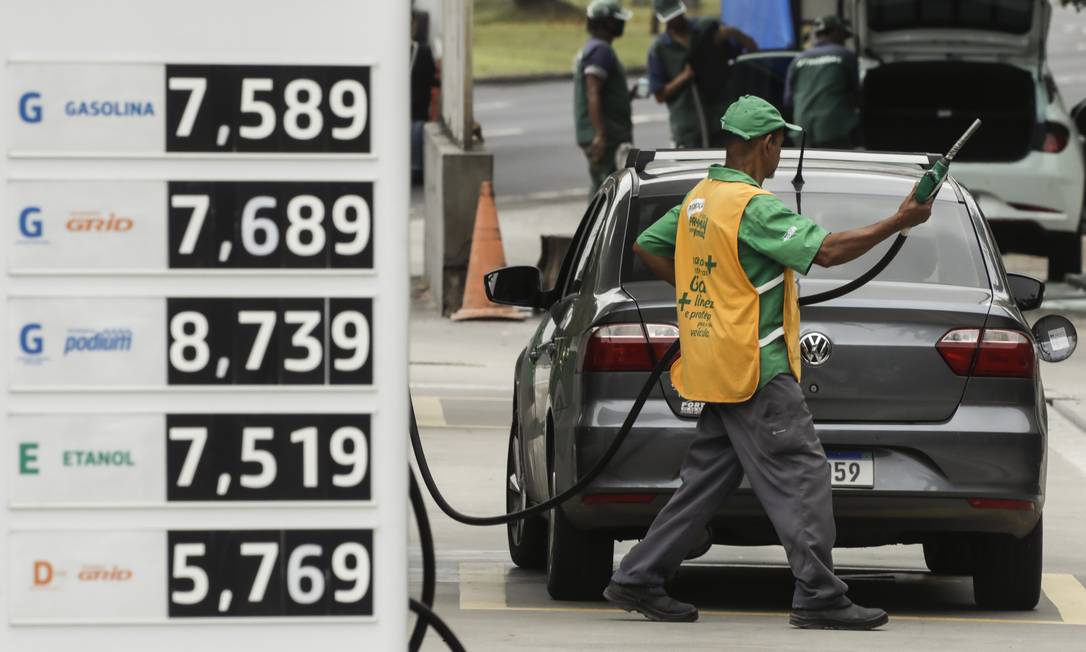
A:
(29, 108)
(29, 341)
(30, 228)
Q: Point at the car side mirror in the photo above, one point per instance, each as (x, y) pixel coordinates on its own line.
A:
(1028, 293)
(514, 286)
(1056, 338)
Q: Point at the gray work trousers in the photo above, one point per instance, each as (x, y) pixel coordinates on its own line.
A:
(772, 439)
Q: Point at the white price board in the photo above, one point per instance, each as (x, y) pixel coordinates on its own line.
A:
(154, 577)
(155, 226)
(140, 460)
(205, 285)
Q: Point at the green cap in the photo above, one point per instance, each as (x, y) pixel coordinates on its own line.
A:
(751, 116)
(830, 22)
(668, 9)
(608, 9)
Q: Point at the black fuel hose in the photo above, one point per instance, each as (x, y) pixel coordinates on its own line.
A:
(854, 284)
(429, 563)
(427, 616)
(420, 458)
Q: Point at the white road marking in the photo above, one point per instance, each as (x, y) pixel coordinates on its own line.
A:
(428, 412)
(546, 196)
(1069, 596)
(494, 105)
(482, 586)
(501, 390)
(645, 118)
(506, 132)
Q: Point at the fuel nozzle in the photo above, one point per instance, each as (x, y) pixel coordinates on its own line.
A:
(935, 176)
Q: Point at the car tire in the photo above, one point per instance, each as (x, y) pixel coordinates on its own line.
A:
(578, 562)
(1064, 255)
(1007, 574)
(527, 537)
(949, 555)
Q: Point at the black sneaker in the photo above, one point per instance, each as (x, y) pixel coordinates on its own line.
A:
(851, 617)
(653, 603)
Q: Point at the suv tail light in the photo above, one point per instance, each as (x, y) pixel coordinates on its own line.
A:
(988, 352)
(622, 347)
(1056, 137)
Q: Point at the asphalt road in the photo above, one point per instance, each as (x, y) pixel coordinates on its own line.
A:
(529, 127)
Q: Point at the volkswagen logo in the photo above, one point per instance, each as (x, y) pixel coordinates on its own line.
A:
(815, 348)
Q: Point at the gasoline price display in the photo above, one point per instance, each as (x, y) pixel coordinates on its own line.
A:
(267, 457)
(291, 109)
(270, 224)
(270, 573)
(269, 341)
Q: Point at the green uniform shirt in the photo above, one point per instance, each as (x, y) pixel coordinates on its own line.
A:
(771, 237)
(667, 58)
(598, 58)
(822, 84)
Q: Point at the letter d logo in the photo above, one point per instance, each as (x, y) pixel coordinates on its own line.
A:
(43, 573)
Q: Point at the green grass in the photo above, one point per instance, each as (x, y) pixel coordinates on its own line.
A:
(509, 40)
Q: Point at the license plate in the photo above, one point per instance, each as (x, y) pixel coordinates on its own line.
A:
(851, 468)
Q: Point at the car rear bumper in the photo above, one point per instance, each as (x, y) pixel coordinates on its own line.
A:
(924, 476)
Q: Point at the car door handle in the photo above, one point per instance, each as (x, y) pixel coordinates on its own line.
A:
(538, 351)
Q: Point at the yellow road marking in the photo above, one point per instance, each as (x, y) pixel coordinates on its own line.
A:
(1069, 596)
(482, 586)
(428, 411)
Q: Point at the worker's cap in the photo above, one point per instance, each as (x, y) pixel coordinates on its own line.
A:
(751, 116)
(668, 9)
(830, 22)
(608, 9)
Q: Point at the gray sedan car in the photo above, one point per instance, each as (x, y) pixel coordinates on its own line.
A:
(924, 384)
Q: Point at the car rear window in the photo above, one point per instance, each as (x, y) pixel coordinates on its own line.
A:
(943, 251)
(1012, 16)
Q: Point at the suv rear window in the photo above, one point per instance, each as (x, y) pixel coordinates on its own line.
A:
(1012, 16)
(944, 251)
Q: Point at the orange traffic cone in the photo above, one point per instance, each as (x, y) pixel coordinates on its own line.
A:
(487, 255)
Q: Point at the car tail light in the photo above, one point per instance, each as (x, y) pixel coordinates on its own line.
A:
(1056, 137)
(622, 347)
(1002, 503)
(988, 352)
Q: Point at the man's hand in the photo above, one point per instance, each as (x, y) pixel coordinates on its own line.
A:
(911, 212)
(662, 267)
(596, 148)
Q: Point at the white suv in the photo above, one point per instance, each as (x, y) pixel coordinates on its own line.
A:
(929, 67)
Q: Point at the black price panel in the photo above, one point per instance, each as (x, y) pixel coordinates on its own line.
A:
(258, 457)
(234, 224)
(269, 341)
(268, 109)
(233, 573)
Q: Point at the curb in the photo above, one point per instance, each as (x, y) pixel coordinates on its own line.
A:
(505, 80)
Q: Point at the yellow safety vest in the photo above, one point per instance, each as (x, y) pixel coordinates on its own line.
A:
(717, 304)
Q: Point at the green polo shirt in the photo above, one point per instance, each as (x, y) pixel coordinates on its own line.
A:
(772, 236)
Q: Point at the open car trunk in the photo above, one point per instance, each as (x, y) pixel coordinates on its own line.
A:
(925, 106)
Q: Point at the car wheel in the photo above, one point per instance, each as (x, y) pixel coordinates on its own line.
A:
(527, 536)
(1007, 574)
(578, 563)
(1064, 255)
(949, 555)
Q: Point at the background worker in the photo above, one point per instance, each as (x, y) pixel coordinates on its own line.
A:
(689, 67)
(823, 86)
(731, 249)
(601, 102)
